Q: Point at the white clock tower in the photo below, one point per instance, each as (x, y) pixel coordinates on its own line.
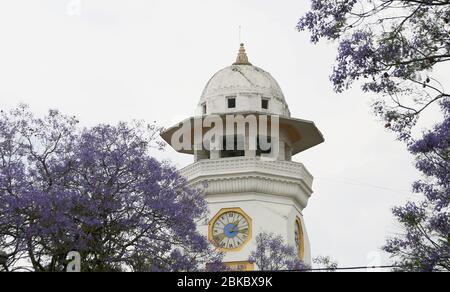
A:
(251, 186)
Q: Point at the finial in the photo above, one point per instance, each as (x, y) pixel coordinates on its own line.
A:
(242, 58)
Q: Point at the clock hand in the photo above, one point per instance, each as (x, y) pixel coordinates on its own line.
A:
(243, 230)
(236, 223)
(219, 237)
(236, 227)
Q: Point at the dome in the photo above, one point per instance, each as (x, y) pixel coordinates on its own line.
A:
(242, 90)
(238, 79)
(245, 83)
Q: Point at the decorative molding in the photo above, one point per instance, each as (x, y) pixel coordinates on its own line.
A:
(222, 166)
(252, 175)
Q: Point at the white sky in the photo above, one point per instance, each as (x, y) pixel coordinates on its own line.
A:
(112, 60)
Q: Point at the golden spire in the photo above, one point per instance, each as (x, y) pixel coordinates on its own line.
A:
(242, 58)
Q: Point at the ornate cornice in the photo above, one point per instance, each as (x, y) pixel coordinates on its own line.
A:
(252, 175)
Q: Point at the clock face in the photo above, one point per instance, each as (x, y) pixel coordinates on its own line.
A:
(230, 230)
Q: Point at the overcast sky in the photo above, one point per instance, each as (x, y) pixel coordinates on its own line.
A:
(111, 60)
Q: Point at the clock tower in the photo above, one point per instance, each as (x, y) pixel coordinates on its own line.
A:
(243, 139)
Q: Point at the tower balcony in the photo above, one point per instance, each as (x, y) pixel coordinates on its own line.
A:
(256, 175)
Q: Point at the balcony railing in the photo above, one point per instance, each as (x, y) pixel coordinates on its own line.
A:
(241, 165)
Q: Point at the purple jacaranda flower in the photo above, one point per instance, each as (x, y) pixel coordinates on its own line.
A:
(273, 254)
(391, 48)
(96, 191)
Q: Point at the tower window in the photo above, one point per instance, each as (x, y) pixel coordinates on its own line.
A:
(231, 102)
(264, 146)
(233, 146)
(204, 108)
(265, 103)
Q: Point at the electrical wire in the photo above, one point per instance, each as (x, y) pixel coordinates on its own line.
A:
(343, 269)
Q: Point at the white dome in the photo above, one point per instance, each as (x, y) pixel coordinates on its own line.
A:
(238, 79)
(248, 84)
(244, 90)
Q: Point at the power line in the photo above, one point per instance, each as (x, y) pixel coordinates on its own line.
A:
(343, 269)
(362, 184)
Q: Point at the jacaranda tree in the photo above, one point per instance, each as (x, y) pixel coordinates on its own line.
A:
(273, 254)
(325, 264)
(96, 191)
(391, 47)
(425, 246)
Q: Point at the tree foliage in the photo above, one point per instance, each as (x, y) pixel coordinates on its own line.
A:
(392, 47)
(273, 254)
(425, 245)
(325, 263)
(96, 191)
